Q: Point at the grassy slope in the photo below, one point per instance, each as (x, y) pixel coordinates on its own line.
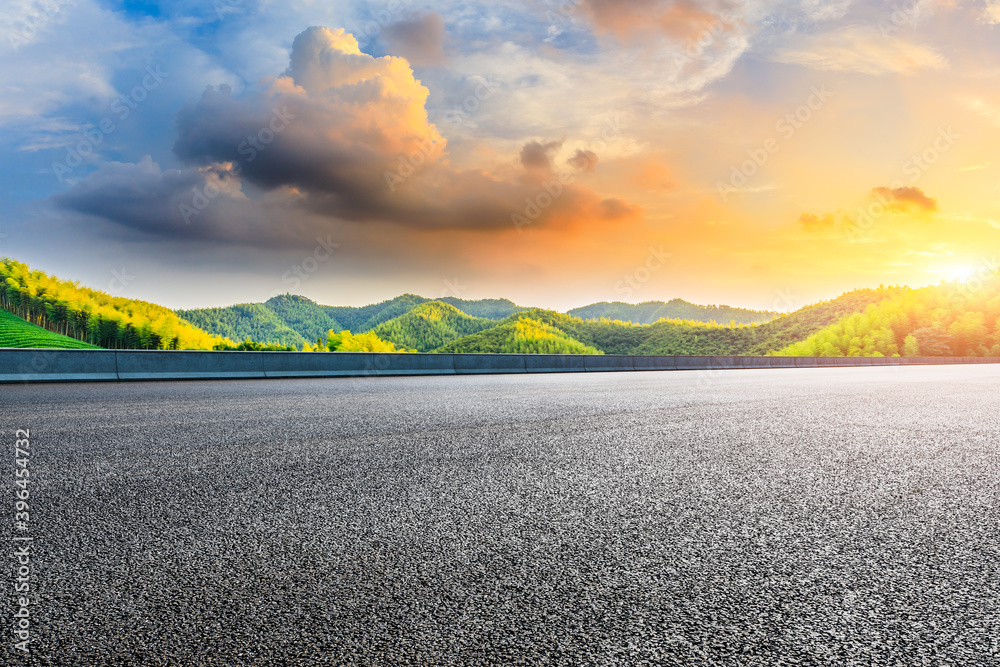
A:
(429, 326)
(15, 332)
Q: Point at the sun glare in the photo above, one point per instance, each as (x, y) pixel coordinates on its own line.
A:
(959, 273)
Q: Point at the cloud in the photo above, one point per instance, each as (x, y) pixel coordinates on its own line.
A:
(863, 50)
(991, 13)
(683, 20)
(420, 40)
(983, 108)
(584, 160)
(905, 200)
(815, 223)
(340, 136)
(536, 156)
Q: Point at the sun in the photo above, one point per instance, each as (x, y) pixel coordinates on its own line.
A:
(959, 273)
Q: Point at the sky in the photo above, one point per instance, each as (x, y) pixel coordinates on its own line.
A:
(764, 154)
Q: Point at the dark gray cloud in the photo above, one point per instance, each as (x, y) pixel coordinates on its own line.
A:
(538, 156)
(342, 136)
(420, 40)
(584, 160)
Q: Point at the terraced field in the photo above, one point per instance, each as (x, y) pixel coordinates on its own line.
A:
(15, 332)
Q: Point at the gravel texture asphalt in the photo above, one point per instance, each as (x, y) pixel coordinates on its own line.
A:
(773, 517)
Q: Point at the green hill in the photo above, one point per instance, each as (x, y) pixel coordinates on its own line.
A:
(680, 337)
(307, 318)
(16, 332)
(491, 309)
(950, 319)
(523, 333)
(429, 326)
(292, 320)
(244, 320)
(366, 318)
(95, 317)
(676, 309)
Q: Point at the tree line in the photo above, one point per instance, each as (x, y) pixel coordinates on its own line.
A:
(93, 316)
(950, 319)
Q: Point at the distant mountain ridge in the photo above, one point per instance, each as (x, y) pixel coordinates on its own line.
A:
(949, 319)
(288, 319)
(430, 325)
(675, 309)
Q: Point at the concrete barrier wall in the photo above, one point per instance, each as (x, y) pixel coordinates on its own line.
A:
(188, 365)
(468, 364)
(608, 362)
(309, 364)
(655, 363)
(413, 364)
(28, 365)
(555, 363)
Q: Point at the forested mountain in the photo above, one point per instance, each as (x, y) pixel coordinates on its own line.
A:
(951, 319)
(288, 319)
(430, 325)
(309, 319)
(491, 309)
(95, 317)
(675, 309)
(521, 334)
(680, 337)
(366, 318)
(245, 320)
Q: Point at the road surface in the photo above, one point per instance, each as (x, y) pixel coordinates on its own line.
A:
(773, 517)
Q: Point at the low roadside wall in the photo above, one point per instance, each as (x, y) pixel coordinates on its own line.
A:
(34, 365)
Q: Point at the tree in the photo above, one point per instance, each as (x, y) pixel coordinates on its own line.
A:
(933, 342)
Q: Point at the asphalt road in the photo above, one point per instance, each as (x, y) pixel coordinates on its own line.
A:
(774, 517)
